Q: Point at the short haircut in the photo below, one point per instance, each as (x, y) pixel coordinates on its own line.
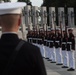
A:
(9, 20)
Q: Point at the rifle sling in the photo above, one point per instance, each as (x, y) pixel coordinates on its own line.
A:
(12, 58)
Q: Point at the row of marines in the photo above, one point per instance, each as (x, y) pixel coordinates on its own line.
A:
(56, 45)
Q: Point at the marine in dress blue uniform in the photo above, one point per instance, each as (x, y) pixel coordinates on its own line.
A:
(52, 46)
(64, 50)
(59, 60)
(71, 49)
(28, 60)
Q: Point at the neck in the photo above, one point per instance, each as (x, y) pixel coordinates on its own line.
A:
(9, 30)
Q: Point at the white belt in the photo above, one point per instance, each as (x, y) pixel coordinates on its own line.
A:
(45, 40)
(39, 39)
(57, 41)
(51, 41)
(69, 43)
(48, 41)
(63, 42)
(30, 38)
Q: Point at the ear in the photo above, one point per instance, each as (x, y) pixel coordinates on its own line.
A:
(0, 21)
(19, 21)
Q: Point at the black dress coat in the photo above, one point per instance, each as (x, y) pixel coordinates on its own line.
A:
(71, 39)
(28, 60)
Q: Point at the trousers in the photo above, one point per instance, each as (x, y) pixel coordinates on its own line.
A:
(65, 58)
(59, 56)
(71, 58)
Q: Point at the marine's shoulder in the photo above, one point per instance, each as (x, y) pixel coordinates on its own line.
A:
(29, 46)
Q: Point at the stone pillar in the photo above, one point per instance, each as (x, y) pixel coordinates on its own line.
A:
(61, 17)
(71, 22)
(28, 16)
(43, 14)
(35, 16)
(52, 17)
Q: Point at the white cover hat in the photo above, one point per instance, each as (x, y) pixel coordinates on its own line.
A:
(70, 28)
(11, 7)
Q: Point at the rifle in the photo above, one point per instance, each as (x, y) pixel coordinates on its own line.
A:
(72, 15)
(61, 28)
(45, 20)
(66, 34)
(61, 33)
(66, 23)
(62, 15)
(53, 13)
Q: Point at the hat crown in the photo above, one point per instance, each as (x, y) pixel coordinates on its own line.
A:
(11, 7)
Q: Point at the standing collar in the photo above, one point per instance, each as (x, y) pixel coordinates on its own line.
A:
(9, 36)
(9, 33)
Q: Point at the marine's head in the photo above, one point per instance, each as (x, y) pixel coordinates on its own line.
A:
(52, 30)
(70, 30)
(10, 16)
